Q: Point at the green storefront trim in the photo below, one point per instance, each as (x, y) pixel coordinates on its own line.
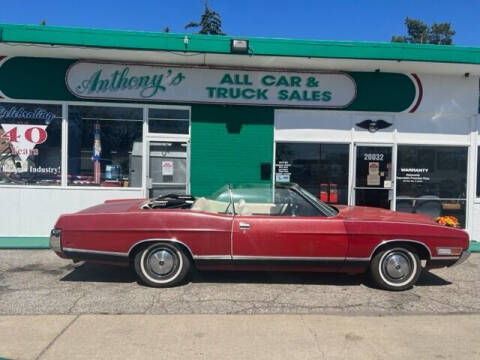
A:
(24, 242)
(142, 40)
(228, 146)
(474, 246)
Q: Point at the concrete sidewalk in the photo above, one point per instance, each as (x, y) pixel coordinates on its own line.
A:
(239, 337)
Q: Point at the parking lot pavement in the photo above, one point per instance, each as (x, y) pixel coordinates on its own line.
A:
(38, 282)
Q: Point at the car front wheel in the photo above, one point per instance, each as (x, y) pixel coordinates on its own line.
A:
(161, 265)
(396, 268)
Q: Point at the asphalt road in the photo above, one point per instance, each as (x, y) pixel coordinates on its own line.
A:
(38, 282)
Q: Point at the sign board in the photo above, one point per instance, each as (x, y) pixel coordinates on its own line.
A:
(97, 80)
(167, 168)
(24, 138)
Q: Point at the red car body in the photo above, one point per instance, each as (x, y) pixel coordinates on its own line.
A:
(113, 231)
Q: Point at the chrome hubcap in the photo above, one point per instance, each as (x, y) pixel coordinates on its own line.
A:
(397, 266)
(161, 261)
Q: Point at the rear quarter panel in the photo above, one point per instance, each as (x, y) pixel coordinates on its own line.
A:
(204, 233)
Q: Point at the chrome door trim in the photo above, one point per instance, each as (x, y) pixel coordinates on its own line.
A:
(287, 258)
(212, 257)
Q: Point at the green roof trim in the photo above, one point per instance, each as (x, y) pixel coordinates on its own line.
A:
(141, 40)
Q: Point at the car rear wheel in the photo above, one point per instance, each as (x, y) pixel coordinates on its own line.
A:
(396, 268)
(161, 265)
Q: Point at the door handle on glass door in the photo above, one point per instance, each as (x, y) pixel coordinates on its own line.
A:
(243, 225)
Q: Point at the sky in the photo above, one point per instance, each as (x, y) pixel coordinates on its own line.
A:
(357, 20)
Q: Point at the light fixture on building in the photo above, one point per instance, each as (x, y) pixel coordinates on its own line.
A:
(239, 46)
(373, 125)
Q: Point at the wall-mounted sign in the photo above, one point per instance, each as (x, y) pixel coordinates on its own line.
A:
(95, 80)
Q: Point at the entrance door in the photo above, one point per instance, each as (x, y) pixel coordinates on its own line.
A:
(168, 168)
(373, 176)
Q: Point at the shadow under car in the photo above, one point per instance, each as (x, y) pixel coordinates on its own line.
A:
(90, 272)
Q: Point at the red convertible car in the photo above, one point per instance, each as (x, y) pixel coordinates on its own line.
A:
(257, 228)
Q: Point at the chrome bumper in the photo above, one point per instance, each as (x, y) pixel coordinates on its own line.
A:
(465, 255)
(56, 240)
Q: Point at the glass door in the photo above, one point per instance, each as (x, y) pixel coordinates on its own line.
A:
(373, 176)
(167, 168)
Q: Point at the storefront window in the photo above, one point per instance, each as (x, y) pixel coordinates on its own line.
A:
(322, 169)
(432, 180)
(168, 121)
(104, 146)
(30, 144)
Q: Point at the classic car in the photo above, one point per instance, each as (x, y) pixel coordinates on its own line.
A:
(281, 228)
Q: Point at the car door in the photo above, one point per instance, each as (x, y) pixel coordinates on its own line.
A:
(289, 231)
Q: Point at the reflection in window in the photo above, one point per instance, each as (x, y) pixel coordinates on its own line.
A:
(432, 180)
(30, 144)
(104, 146)
(168, 121)
(322, 169)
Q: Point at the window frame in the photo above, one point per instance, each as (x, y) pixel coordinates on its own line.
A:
(350, 162)
(111, 105)
(466, 147)
(63, 169)
(146, 137)
(156, 134)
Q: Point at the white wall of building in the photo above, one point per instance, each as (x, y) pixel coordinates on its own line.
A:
(33, 211)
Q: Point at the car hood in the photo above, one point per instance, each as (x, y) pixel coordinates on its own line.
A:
(365, 213)
(114, 206)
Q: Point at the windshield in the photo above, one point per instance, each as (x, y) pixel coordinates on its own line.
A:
(263, 199)
(327, 209)
(281, 200)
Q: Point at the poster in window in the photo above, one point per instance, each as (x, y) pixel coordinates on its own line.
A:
(167, 168)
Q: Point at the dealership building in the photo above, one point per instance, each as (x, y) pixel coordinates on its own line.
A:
(88, 115)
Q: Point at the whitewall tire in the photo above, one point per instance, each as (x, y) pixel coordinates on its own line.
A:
(396, 268)
(161, 265)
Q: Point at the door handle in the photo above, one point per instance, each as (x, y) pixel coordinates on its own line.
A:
(243, 225)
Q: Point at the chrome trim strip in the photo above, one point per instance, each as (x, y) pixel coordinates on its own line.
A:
(160, 240)
(86, 251)
(212, 257)
(357, 259)
(400, 240)
(286, 258)
(445, 257)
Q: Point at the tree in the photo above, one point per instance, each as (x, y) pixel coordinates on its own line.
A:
(441, 34)
(43, 22)
(210, 22)
(166, 29)
(421, 33)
